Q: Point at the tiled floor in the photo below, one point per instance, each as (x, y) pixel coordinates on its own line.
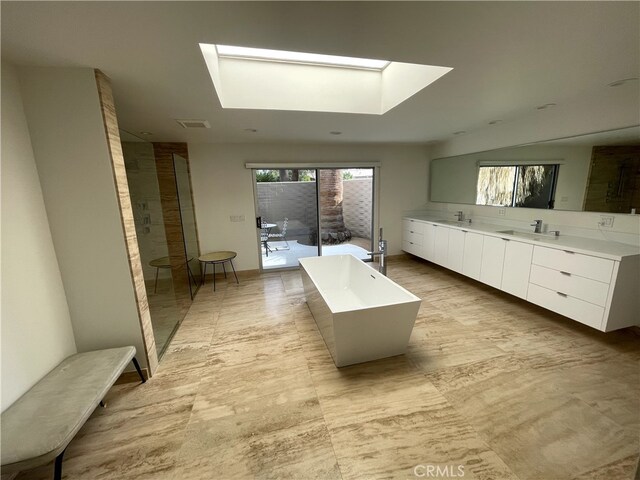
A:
(247, 389)
(165, 310)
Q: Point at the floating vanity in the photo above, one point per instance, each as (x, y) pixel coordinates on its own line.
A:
(593, 282)
(361, 314)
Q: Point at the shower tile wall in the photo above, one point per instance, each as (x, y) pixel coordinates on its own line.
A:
(147, 207)
(166, 310)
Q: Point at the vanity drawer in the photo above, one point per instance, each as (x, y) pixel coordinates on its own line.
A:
(413, 237)
(587, 266)
(583, 288)
(414, 226)
(412, 248)
(574, 308)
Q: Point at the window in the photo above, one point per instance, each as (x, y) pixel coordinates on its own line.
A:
(529, 186)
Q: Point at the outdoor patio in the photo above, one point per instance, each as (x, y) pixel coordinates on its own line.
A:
(282, 257)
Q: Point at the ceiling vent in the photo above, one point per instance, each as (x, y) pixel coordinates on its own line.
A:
(193, 123)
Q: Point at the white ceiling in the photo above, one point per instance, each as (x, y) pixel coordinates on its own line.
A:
(508, 58)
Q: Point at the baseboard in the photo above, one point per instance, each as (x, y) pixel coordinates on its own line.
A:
(131, 377)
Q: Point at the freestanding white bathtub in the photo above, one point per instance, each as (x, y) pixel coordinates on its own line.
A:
(361, 314)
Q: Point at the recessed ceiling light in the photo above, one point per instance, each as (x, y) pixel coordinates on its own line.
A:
(495, 122)
(229, 51)
(252, 130)
(461, 132)
(335, 132)
(545, 106)
(146, 133)
(617, 83)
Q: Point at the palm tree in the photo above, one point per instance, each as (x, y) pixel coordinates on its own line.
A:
(332, 225)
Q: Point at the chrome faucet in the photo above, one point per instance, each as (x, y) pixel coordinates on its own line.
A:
(382, 251)
(459, 215)
(538, 226)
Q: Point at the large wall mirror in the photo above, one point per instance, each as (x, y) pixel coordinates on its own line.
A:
(598, 172)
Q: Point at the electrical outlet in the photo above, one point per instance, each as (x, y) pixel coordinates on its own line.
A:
(236, 218)
(502, 212)
(606, 221)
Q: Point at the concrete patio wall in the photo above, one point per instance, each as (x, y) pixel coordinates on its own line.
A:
(356, 206)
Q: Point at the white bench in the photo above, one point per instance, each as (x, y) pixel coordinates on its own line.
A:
(38, 427)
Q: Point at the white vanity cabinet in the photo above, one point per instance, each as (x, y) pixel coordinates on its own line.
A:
(472, 256)
(595, 283)
(516, 268)
(505, 265)
(492, 260)
(455, 253)
(441, 245)
(413, 236)
(572, 284)
(429, 250)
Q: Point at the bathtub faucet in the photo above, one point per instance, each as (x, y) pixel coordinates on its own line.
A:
(382, 251)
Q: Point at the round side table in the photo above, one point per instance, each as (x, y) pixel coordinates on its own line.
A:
(165, 262)
(159, 263)
(214, 258)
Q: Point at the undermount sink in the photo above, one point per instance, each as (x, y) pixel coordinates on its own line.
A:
(455, 222)
(531, 235)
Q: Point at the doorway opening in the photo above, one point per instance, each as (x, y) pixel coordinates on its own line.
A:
(305, 212)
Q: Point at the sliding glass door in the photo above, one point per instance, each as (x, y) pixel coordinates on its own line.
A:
(304, 212)
(346, 211)
(287, 216)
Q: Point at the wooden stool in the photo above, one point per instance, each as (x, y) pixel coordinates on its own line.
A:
(215, 258)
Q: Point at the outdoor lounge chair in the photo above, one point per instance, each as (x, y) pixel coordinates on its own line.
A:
(283, 233)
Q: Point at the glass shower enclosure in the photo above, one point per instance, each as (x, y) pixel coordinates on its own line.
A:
(188, 221)
(168, 252)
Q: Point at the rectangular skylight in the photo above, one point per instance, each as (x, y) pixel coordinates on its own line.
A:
(299, 57)
(265, 79)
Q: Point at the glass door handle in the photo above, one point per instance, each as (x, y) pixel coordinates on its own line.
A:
(258, 222)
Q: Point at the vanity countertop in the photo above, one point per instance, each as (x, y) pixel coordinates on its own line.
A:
(587, 246)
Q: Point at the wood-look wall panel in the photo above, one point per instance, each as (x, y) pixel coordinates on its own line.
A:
(107, 106)
(614, 179)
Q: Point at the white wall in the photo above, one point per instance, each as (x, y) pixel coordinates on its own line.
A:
(223, 186)
(583, 115)
(72, 157)
(36, 325)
